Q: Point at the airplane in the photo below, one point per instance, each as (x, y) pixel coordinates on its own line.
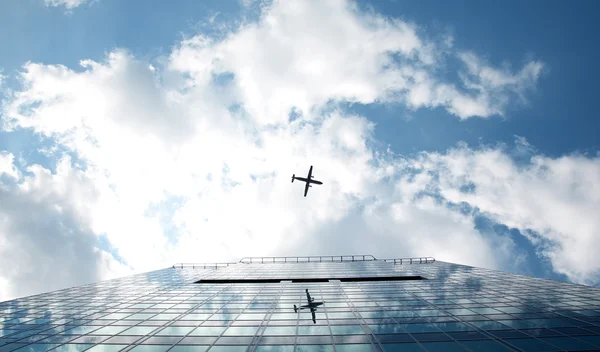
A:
(308, 180)
(312, 305)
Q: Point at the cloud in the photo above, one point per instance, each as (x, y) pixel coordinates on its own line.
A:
(552, 201)
(68, 4)
(190, 160)
(302, 54)
(45, 239)
(493, 86)
(7, 166)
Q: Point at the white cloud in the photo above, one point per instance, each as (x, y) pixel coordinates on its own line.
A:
(494, 86)
(553, 201)
(7, 166)
(182, 167)
(45, 239)
(69, 4)
(302, 54)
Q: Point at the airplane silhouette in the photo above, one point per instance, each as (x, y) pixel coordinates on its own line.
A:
(312, 305)
(308, 180)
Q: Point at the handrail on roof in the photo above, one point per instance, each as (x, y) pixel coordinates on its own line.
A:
(201, 265)
(418, 260)
(309, 259)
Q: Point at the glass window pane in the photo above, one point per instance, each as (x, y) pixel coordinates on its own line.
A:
(314, 348)
(346, 329)
(340, 315)
(106, 348)
(196, 316)
(386, 329)
(518, 324)
(72, 347)
(208, 331)
(275, 349)
(37, 347)
(531, 345)
(195, 348)
(485, 345)
(489, 325)
(443, 347)
(355, 348)
(150, 348)
(454, 326)
(164, 316)
(138, 330)
(139, 316)
(313, 330)
(228, 349)
(567, 343)
(402, 347)
(280, 330)
(241, 330)
(116, 316)
(176, 330)
(594, 340)
(109, 330)
(420, 328)
(80, 330)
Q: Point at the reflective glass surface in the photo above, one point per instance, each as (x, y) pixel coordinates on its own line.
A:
(451, 308)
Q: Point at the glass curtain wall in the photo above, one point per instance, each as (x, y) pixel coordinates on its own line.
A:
(444, 307)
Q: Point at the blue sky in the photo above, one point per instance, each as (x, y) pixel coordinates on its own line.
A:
(475, 118)
(562, 34)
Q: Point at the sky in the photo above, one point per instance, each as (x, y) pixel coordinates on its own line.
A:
(139, 134)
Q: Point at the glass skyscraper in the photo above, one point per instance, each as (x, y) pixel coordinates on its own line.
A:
(349, 303)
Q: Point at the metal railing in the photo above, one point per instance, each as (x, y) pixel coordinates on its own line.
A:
(419, 260)
(201, 265)
(309, 259)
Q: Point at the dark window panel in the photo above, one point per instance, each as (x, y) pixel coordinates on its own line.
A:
(507, 334)
(351, 339)
(394, 338)
(466, 335)
(402, 347)
(531, 344)
(486, 346)
(431, 337)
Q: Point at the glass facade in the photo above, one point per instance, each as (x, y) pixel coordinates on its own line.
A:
(366, 305)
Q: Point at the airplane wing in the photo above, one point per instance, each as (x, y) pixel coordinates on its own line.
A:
(313, 315)
(309, 172)
(308, 296)
(306, 188)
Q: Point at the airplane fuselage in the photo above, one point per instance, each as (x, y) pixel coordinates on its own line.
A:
(311, 305)
(307, 180)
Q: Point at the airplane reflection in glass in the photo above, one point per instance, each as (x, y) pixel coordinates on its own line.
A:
(308, 180)
(312, 305)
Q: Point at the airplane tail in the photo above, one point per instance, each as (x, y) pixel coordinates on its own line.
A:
(295, 309)
(293, 177)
